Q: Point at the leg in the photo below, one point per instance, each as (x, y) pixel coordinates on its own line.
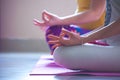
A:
(88, 57)
(56, 30)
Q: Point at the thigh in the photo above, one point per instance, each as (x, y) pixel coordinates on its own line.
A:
(88, 57)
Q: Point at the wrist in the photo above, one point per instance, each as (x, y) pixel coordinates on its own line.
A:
(65, 21)
(85, 39)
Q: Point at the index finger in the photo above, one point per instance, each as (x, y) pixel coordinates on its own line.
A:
(66, 32)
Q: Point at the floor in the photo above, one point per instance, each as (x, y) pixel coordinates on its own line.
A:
(16, 66)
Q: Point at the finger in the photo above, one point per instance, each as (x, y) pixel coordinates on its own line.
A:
(66, 32)
(38, 23)
(63, 40)
(48, 13)
(43, 17)
(62, 35)
(54, 42)
(55, 46)
(53, 37)
(46, 16)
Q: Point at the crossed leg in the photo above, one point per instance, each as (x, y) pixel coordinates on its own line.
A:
(88, 57)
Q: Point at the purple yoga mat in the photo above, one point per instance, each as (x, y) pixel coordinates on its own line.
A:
(47, 66)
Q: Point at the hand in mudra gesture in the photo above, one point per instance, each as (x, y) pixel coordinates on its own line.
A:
(73, 38)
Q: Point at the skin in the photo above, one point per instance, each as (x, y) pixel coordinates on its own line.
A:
(93, 14)
(74, 39)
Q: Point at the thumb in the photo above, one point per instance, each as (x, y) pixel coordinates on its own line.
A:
(66, 32)
(46, 16)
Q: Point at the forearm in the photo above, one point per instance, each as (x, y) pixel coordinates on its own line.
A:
(80, 18)
(95, 11)
(104, 32)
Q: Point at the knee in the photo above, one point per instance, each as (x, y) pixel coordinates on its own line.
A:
(59, 55)
(63, 56)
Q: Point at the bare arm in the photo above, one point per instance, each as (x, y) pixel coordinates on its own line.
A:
(74, 38)
(104, 32)
(96, 9)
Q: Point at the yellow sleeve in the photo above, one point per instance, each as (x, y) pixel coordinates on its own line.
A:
(85, 5)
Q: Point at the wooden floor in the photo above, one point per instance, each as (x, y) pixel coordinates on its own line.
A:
(16, 66)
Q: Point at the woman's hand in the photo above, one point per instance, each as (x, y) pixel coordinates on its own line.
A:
(73, 38)
(49, 19)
